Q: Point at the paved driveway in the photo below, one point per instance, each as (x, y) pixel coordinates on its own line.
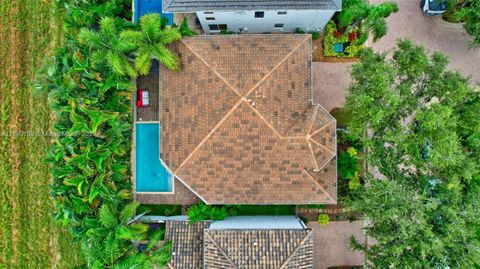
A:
(433, 33)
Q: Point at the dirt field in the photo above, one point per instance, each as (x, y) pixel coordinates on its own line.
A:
(28, 236)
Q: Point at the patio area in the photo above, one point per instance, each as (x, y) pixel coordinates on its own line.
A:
(149, 83)
(332, 244)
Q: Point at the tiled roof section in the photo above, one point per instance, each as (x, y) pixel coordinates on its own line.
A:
(243, 64)
(246, 141)
(268, 249)
(192, 102)
(187, 243)
(325, 178)
(181, 196)
(281, 97)
(233, 5)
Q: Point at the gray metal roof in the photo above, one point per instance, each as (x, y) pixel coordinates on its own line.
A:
(233, 5)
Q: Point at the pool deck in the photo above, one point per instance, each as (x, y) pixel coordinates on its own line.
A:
(180, 194)
(151, 83)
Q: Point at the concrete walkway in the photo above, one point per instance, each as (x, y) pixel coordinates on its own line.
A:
(434, 34)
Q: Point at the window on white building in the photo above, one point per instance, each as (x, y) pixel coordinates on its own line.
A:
(210, 18)
(207, 12)
(217, 27)
(278, 25)
(259, 14)
(282, 13)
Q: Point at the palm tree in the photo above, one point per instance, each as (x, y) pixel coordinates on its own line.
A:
(108, 48)
(108, 241)
(151, 42)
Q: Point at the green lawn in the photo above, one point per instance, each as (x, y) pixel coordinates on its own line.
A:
(28, 236)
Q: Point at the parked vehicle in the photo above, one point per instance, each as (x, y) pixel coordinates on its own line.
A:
(433, 7)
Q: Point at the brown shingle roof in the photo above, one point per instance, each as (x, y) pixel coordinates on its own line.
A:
(238, 123)
(187, 243)
(266, 249)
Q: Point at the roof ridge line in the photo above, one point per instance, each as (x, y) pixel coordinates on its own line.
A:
(220, 249)
(285, 263)
(313, 120)
(318, 184)
(321, 128)
(267, 76)
(263, 119)
(208, 135)
(313, 155)
(277, 65)
(211, 69)
(293, 124)
(322, 146)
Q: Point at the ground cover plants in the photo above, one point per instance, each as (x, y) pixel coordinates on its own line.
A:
(89, 84)
(29, 238)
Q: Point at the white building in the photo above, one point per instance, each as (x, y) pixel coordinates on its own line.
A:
(257, 16)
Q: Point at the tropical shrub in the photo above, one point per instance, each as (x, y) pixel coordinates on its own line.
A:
(333, 36)
(367, 17)
(202, 211)
(471, 17)
(348, 163)
(89, 82)
(108, 240)
(323, 220)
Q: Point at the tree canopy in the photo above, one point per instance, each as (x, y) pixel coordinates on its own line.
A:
(471, 16)
(370, 18)
(423, 138)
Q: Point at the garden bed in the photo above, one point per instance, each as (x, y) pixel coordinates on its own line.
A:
(318, 55)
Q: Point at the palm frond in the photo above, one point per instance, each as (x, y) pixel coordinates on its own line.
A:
(137, 261)
(90, 38)
(150, 25)
(106, 217)
(166, 57)
(134, 37)
(112, 248)
(116, 63)
(169, 35)
(108, 27)
(143, 61)
(128, 212)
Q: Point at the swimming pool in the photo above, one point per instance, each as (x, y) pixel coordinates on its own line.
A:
(143, 7)
(151, 175)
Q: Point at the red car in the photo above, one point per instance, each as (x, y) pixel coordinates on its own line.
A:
(142, 98)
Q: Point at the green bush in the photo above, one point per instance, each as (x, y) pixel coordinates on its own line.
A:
(299, 31)
(202, 211)
(348, 163)
(323, 220)
(354, 182)
(315, 35)
(351, 49)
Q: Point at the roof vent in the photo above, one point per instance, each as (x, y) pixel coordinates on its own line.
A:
(255, 244)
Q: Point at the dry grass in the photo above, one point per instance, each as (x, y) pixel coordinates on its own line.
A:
(28, 236)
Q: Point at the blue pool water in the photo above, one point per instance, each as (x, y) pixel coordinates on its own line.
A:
(151, 175)
(143, 7)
